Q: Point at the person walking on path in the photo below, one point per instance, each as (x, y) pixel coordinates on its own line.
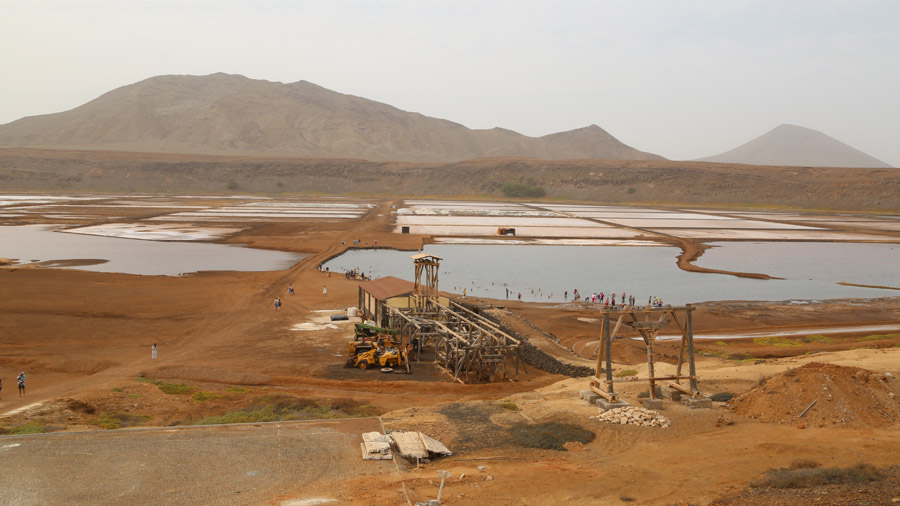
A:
(1, 388)
(324, 290)
(290, 289)
(21, 379)
(153, 352)
(277, 303)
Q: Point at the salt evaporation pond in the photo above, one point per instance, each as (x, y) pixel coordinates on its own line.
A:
(865, 264)
(543, 273)
(131, 256)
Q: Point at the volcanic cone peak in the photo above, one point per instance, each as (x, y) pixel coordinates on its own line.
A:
(793, 145)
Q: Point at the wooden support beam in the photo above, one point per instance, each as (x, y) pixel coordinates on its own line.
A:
(636, 379)
(649, 329)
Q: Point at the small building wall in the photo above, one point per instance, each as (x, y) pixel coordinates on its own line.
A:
(374, 309)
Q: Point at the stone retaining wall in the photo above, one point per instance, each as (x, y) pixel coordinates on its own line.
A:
(536, 357)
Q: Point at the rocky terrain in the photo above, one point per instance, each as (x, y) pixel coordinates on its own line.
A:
(654, 182)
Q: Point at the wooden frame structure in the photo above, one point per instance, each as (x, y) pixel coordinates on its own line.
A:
(467, 346)
(425, 293)
(647, 322)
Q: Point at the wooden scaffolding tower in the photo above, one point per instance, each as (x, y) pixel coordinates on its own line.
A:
(647, 322)
(425, 291)
(468, 346)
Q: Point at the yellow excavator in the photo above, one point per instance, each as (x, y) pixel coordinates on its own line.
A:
(375, 346)
(380, 357)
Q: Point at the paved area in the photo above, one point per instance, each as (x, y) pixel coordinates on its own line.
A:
(310, 462)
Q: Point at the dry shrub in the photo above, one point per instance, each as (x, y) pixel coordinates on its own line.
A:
(721, 397)
(79, 405)
(550, 436)
(509, 406)
(805, 477)
(353, 408)
(284, 403)
(805, 464)
(115, 420)
(281, 407)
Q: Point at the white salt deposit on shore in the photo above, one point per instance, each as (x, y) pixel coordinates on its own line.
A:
(777, 235)
(159, 232)
(547, 242)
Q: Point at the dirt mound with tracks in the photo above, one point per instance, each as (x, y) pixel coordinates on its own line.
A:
(843, 396)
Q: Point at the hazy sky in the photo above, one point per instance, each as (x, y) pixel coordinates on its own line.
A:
(680, 78)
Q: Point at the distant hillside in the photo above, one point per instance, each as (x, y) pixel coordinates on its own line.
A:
(797, 146)
(224, 114)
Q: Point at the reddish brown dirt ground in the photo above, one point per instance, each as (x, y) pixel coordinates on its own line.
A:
(836, 396)
(84, 339)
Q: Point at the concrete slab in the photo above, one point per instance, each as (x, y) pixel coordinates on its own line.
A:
(605, 405)
(697, 402)
(653, 403)
(589, 396)
(671, 393)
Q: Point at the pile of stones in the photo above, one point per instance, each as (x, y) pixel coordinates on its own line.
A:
(631, 415)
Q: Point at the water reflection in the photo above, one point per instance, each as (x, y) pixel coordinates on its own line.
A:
(39, 243)
(545, 273)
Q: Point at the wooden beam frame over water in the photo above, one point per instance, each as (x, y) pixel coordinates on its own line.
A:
(647, 322)
(467, 346)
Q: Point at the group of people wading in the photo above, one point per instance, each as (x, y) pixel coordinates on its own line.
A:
(613, 300)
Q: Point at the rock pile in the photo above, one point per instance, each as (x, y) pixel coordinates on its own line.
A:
(631, 415)
(827, 395)
(534, 356)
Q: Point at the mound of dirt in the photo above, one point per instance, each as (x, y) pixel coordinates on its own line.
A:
(844, 397)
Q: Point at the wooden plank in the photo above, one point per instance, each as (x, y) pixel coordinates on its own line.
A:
(433, 445)
(376, 442)
(683, 388)
(410, 445)
(635, 379)
(375, 456)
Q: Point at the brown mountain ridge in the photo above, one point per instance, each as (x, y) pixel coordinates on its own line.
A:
(224, 114)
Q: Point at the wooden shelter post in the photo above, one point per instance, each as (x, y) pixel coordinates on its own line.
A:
(607, 339)
(648, 327)
(692, 369)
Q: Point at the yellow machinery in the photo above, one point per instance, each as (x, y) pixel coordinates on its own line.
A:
(375, 346)
(380, 357)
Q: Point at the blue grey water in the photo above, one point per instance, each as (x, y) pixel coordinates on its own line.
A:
(544, 273)
(539, 273)
(865, 264)
(131, 256)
